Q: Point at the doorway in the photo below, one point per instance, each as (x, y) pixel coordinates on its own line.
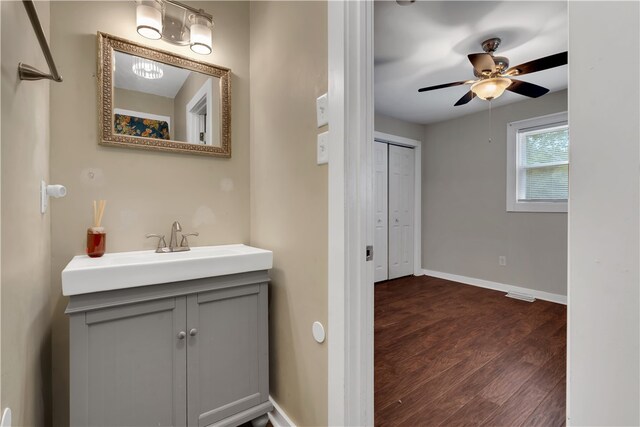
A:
(429, 329)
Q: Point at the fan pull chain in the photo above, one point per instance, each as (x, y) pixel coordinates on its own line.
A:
(490, 139)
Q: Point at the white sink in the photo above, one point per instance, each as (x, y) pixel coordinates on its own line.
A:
(85, 275)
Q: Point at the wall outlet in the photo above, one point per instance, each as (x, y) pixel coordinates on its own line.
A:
(502, 260)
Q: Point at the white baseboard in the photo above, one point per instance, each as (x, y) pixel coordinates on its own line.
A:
(278, 417)
(547, 296)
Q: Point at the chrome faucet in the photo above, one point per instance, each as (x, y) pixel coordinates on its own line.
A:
(173, 241)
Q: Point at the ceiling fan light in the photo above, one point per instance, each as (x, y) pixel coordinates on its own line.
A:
(201, 35)
(149, 19)
(489, 89)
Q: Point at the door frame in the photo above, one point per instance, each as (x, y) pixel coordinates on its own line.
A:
(417, 190)
(350, 213)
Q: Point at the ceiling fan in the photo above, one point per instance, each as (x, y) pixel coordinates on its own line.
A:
(495, 76)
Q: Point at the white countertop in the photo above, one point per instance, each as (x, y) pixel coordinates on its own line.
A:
(142, 268)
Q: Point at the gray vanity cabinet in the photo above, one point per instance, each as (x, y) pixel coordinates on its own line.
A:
(189, 353)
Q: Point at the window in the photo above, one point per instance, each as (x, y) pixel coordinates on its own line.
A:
(538, 164)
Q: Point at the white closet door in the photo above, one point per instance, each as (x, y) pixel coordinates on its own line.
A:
(401, 170)
(380, 218)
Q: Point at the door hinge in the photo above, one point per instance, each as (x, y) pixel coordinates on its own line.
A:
(369, 253)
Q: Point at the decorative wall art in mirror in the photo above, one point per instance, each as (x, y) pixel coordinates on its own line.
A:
(158, 100)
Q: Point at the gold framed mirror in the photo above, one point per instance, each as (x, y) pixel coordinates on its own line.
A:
(153, 99)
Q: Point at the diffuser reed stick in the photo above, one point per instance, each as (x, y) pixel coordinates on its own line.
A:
(98, 212)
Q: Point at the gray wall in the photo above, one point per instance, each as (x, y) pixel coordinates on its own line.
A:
(604, 207)
(398, 127)
(465, 225)
(26, 238)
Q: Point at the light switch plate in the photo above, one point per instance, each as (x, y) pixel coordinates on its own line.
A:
(323, 148)
(322, 108)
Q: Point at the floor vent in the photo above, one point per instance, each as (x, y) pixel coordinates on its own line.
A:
(523, 297)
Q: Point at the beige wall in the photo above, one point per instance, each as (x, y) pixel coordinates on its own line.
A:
(26, 248)
(145, 190)
(465, 224)
(398, 127)
(289, 195)
(145, 103)
(604, 207)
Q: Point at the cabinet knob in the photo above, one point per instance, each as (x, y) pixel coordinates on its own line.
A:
(182, 335)
(193, 332)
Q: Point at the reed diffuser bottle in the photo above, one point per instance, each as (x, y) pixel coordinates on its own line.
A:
(96, 236)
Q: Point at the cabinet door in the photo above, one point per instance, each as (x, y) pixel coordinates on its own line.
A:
(227, 353)
(401, 200)
(128, 365)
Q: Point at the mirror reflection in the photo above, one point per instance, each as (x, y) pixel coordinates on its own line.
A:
(155, 100)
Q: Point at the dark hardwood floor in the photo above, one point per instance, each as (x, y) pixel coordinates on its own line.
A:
(456, 355)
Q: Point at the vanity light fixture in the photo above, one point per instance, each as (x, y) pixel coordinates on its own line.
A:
(175, 23)
(146, 69)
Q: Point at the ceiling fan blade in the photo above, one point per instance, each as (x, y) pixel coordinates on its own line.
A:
(466, 98)
(539, 64)
(482, 62)
(527, 89)
(424, 89)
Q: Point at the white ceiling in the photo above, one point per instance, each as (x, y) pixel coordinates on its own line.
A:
(168, 85)
(427, 43)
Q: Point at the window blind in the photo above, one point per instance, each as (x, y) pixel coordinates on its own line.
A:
(543, 167)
